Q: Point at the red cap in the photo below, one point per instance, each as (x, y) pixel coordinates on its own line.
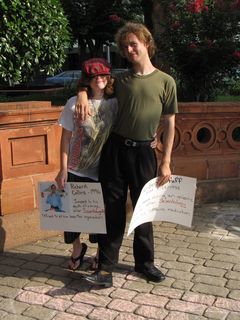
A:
(96, 66)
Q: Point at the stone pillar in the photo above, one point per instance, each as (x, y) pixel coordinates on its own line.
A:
(29, 152)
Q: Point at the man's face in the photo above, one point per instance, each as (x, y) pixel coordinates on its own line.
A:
(134, 50)
(53, 189)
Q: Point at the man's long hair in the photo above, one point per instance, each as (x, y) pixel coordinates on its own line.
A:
(140, 31)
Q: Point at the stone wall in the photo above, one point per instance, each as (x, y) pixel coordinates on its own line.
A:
(206, 146)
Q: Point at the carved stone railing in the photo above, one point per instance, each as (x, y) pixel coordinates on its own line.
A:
(207, 146)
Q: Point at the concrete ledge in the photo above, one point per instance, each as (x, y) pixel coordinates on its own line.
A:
(21, 228)
(218, 190)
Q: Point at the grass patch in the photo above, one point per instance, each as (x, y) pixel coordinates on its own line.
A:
(57, 98)
(223, 98)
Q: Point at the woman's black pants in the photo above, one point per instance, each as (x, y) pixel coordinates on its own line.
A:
(70, 237)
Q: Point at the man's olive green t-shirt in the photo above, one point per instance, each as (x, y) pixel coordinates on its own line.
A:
(141, 101)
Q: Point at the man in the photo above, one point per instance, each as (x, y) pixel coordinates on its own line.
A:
(127, 160)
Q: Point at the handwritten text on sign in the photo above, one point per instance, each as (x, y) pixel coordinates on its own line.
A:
(172, 202)
(78, 208)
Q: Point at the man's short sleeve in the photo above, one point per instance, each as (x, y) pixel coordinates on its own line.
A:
(170, 105)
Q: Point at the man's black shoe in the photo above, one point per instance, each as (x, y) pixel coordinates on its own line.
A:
(100, 278)
(151, 273)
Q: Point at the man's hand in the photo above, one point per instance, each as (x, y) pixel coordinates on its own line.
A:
(164, 174)
(82, 108)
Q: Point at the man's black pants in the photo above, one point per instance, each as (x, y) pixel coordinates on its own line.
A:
(122, 167)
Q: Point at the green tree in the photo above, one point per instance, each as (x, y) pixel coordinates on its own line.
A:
(34, 36)
(200, 41)
(95, 22)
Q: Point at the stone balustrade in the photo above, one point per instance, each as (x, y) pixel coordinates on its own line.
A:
(207, 147)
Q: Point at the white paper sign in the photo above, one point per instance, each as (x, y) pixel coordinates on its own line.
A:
(78, 208)
(172, 202)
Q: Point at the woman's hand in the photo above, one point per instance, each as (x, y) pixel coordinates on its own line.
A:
(61, 179)
(154, 142)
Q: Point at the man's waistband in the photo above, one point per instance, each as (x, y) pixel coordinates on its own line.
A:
(129, 142)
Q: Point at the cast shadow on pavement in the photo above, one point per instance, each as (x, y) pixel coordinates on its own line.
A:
(45, 273)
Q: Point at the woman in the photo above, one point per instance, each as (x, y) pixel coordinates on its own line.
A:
(82, 141)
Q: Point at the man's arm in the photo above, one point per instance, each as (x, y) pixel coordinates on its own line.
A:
(82, 108)
(164, 171)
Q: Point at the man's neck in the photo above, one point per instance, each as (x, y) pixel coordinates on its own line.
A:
(143, 69)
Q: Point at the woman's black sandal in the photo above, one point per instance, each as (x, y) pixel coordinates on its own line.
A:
(79, 258)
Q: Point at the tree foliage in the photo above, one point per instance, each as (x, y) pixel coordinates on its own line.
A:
(95, 22)
(201, 43)
(34, 36)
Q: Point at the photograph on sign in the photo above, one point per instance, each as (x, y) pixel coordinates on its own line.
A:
(77, 208)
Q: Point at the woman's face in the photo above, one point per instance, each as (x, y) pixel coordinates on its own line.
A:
(98, 82)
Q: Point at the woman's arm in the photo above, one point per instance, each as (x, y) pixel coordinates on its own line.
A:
(61, 178)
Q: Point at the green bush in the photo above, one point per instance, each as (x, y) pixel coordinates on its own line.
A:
(234, 88)
(57, 98)
(34, 36)
(200, 40)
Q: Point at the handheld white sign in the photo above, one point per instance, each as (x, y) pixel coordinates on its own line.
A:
(172, 202)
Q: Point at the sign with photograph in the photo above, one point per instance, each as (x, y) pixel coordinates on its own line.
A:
(172, 202)
(78, 208)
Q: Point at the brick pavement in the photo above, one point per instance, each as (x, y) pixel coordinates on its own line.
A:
(202, 267)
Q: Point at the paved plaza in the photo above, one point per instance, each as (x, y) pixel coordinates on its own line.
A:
(202, 267)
